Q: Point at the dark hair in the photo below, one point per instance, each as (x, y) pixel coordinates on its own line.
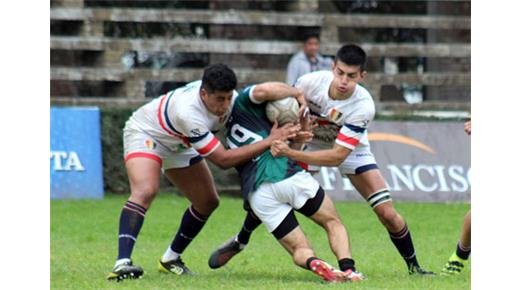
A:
(352, 54)
(218, 77)
(310, 34)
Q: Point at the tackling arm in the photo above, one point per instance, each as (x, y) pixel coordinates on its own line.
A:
(229, 158)
(271, 91)
(329, 157)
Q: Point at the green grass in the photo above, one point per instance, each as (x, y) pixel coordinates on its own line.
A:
(84, 247)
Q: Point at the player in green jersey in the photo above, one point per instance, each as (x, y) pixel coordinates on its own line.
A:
(273, 188)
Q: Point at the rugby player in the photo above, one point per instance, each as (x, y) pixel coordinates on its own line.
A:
(344, 106)
(173, 134)
(274, 187)
(460, 257)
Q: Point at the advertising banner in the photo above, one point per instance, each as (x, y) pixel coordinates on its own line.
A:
(420, 161)
(75, 158)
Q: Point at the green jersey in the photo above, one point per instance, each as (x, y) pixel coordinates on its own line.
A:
(248, 124)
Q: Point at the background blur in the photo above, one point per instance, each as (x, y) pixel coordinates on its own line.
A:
(118, 55)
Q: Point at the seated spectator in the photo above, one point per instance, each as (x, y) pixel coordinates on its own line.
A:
(308, 59)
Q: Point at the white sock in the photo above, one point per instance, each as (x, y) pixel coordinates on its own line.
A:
(170, 255)
(121, 261)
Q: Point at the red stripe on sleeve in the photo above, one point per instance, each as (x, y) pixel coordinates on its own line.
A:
(352, 141)
(211, 145)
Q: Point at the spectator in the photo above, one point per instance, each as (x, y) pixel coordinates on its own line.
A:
(308, 59)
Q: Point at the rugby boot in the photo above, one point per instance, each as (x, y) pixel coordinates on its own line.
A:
(125, 271)
(355, 276)
(176, 267)
(454, 266)
(224, 253)
(415, 269)
(327, 272)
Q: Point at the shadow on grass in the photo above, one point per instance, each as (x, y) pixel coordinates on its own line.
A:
(292, 275)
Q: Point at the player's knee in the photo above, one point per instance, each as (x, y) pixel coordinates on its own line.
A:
(381, 203)
(213, 203)
(145, 193)
(209, 205)
(379, 198)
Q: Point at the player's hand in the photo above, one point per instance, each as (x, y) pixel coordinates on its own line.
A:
(308, 122)
(300, 97)
(279, 148)
(304, 113)
(285, 132)
(467, 127)
(303, 137)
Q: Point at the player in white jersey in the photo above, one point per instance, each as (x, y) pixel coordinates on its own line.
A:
(339, 102)
(338, 98)
(172, 134)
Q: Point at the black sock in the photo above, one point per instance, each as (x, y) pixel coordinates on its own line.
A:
(191, 224)
(308, 262)
(346, 264)
(130, 223)
(250, 224)
(403, 242)
(463, 252)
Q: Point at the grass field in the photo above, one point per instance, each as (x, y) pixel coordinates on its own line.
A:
(84, 247)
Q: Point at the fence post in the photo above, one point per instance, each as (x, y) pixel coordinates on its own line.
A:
(92, 28)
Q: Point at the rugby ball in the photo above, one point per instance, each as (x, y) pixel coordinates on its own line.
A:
(283, 110)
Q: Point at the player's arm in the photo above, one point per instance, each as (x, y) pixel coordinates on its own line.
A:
(329, 157)
(347, 139)
(208, 146)
(232, 157)
(272, 91)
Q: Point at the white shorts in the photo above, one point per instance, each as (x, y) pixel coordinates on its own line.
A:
(271, 202)
(140, 144)
(358, 161)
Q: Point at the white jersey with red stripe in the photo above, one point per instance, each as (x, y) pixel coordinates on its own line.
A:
(352, 115)
(179, 120)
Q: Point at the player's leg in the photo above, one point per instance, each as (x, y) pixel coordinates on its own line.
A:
(321, 210)
(235, 244)
(465, 236)
(271, 203)
(143, 174)
(326, 216)
(196, 182)
(303, 193)
(459, 258)
(291, 237)
(371, 185)
(251, 222)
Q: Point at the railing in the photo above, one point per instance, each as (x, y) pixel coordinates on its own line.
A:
(92, 37)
